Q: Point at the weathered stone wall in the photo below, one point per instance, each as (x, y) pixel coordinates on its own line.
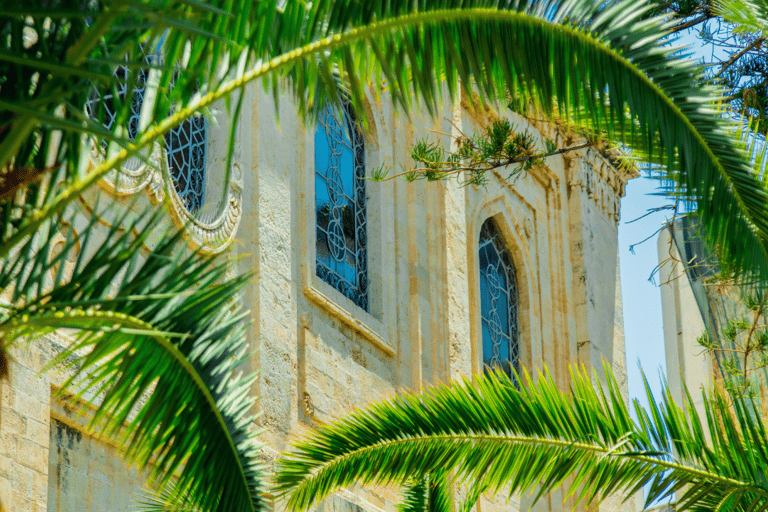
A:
(318, 354)
(687, 362)
(47, 461)
(87, 474)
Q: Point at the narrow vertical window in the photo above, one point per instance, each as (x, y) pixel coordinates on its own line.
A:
(341, 245)
(498, 302)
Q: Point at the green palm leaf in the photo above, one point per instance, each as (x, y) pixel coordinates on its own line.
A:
(747, 15)
(502, 438)
(58, 58)
(431, 493)
(163, 338)
(606, 69)
(602, 69)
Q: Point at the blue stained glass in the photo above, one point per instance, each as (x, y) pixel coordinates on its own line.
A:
(341, 238)
(185, 146)
(101, 105)
(498, 302)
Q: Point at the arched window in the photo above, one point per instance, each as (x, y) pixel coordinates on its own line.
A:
(341, 245)
(498, 302)
(185, 144)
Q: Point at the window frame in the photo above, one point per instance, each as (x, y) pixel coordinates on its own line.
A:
(517, 243)
(374, 325)
(359, 292)
(512, 335)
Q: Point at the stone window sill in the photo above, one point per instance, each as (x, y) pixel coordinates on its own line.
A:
(329, 299)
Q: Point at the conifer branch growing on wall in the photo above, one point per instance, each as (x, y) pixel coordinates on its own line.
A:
(472, 157)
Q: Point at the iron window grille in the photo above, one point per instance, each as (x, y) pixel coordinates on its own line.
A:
(185, 144)
(340, 204)
(498, 302)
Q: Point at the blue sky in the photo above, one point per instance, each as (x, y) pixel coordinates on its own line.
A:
(643, 332)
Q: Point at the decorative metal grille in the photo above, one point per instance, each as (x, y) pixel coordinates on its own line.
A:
(185, 146)
(341, 245)
(498, 302)
(102, 105)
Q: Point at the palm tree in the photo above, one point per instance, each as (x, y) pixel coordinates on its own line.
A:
(493, 436)
(178, 332)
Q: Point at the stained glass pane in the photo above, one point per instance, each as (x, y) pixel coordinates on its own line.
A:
(342, 259)
(498, 302)
(101, 104)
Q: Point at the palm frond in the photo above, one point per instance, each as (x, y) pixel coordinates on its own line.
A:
(606, 69)
(591, 66)
(746, 15)
(71, 68)
(502, 438)
(167, 499)
(163, 338)
(431, 493)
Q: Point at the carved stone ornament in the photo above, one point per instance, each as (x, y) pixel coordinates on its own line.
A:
(215, 229)
(528, 227)
(212, 230)
(309, 407)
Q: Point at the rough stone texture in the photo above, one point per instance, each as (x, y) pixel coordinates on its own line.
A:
(87, 475)
(320, 355)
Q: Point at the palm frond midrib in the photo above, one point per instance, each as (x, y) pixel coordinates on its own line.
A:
(640, 454)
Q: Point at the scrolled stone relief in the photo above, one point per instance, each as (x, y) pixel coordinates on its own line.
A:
(172, 171)
(211, 229)
(67, 239)
(135, 174)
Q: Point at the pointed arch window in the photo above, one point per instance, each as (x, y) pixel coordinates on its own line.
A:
(498, 302)
(340, 204)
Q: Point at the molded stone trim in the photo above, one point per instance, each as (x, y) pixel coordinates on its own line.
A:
(352, 321)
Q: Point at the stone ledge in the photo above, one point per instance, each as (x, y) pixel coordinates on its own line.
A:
(320, 299)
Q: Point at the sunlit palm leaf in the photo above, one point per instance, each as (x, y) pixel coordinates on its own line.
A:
(590, 65)
(594, 67)
(431, 493)
(163, 338)
(603, 68)
(747, 15)
(538, 437)
(57, 58)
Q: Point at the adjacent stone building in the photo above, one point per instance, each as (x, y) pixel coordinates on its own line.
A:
(696, 304)
(360, 289)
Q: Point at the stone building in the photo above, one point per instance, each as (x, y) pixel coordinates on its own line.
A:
(685, 307)
(695, 303)
(360, 289)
